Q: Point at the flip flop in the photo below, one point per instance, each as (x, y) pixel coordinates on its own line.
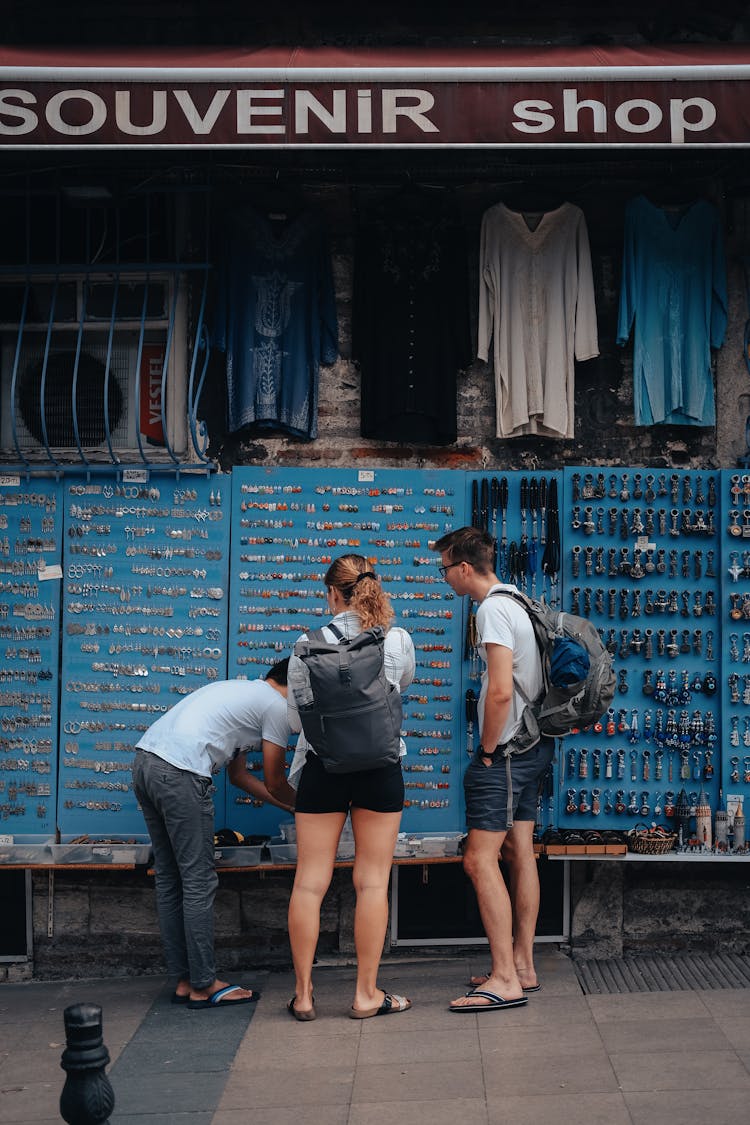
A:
(392, 1004)
(303, 1017)
(178, 999)
(482, 978)
(495, 1002)
(216, 999)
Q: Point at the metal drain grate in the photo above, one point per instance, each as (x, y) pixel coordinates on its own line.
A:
(683, 973)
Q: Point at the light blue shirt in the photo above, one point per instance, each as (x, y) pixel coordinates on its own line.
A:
(207, 728)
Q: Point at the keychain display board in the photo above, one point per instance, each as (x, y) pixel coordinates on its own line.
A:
(287, 527)
(642, 559)
(735, 660)
(522, 513)
(31, 536)
(144, 623)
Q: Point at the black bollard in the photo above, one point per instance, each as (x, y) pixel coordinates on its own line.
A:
(87, 1097)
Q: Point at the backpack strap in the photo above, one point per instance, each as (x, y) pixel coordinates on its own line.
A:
(520, 599)
(336, 631)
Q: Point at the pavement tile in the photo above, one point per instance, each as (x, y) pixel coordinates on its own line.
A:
(27, 1066)
(30, 1102)
(552, 1011)
(284, 1115)
(727, 1003)
(257, 1052)
(186, 1118)
(453, 1043)
(448, 1111)
(408, 1081)
(167, 1093)
(285, 1086)
(661, 1035)
(737, 1031)
(562, 1109)
(680, 1069)
(649, 1006)
(540, 1039)
(688, 1107)
(549, 1073)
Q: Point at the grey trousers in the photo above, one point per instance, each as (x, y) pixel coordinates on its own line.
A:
(179, 813)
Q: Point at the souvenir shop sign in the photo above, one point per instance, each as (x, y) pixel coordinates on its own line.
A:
(327, 98)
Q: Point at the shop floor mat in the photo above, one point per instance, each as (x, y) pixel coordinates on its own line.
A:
(678, 973)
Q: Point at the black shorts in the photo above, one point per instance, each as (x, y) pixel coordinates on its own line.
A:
(486, 787)
(380, 790)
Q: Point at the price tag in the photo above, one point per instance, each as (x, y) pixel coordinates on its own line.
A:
(9, 481)
(45, 573)
(134, 476)
(366, 475)
(5, 840)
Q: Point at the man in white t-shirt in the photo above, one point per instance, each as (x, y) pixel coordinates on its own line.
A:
(217, 725)
(512, 670)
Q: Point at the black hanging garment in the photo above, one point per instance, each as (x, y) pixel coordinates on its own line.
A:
(410, 331)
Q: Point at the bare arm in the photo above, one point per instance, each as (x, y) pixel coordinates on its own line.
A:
(499, 694)
(274, 789)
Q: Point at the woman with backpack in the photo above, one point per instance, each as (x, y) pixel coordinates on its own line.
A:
(372, 792)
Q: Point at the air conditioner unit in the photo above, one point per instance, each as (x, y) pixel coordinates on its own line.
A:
(52, 381)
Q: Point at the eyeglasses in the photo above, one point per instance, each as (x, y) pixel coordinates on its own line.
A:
(445, 568)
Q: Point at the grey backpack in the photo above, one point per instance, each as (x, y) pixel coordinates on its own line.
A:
(353, 718)
(579, 677)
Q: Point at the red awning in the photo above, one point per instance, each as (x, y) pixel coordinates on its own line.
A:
(324, 97)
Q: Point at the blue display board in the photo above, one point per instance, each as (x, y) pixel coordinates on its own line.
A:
(735, 649)
(31, 535)
(521, 511)
(287, 527)
(643, 560)
(146, 567)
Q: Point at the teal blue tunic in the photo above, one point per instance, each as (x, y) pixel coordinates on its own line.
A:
(674, 291)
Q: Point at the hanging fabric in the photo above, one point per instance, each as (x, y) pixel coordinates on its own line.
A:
(674, 299)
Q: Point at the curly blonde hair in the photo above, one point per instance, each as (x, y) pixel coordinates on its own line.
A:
(360, 588)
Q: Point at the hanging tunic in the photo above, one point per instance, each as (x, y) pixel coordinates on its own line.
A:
(536, 304)
(674, 289)
(410, 330)
(275, 320)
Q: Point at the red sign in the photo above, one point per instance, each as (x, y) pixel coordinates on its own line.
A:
(152, 367)
(323, 98)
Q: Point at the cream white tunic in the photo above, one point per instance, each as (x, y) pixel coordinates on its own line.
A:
(536, 305)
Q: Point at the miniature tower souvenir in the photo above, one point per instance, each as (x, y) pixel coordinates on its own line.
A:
(703, 820)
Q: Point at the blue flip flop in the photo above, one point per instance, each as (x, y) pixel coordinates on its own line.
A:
(216, 1000)
(495, 1002)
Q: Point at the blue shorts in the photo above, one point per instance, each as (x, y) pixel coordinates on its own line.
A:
(486, 787)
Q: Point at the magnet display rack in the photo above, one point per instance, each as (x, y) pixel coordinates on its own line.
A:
(145, 622)
(287, 527)
(642, 559)
(521, 511)
(31, 538)
(735, 655)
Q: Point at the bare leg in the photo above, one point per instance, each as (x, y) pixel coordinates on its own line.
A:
(374, 840)
(518, 853)
(317, 838)
(481, 865)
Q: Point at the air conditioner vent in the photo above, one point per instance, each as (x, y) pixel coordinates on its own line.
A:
(59, 398)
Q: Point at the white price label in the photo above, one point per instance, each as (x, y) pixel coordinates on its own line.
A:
(45, 573)
(366, 475)
(8, 481)
(134, 476)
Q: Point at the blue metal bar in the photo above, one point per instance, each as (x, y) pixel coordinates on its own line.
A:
(45, 363)
(201, 342)
(144, 306)
(14, 376)
(165, 367)
(79, 345)
(103, 267)
(110, 339)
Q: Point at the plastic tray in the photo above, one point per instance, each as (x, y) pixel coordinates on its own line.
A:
(244, 856)
(95, 853)
(26, 850)
(283, 853)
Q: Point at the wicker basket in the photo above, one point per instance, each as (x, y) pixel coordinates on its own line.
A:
(644, 841)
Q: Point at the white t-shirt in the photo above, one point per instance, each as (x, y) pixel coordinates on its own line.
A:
(501, 621)
(398, 661)
(207, 728)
